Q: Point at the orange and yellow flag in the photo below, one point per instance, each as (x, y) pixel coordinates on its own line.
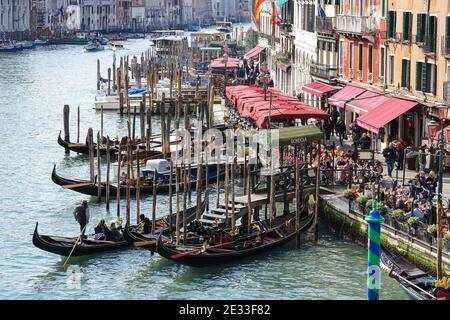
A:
(258, 5)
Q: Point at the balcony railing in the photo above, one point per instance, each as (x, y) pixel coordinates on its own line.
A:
(445, 46)
(356, 24)
(429, 44)
(325, 24)
(447, 91)
(323, 71)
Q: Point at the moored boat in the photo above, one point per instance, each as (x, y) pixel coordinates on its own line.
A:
(7, 46)
(94, 47)
(27, 45)
(41, 42)
(234, 248)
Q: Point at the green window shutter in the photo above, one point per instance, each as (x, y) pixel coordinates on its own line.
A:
(420, 27)
(403, 73)
(433, 79)
(447, 27)
(408, 74)
(426, 77)
(419, 76)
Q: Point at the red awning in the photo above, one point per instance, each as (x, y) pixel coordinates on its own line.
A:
(366, 101)
(383, 114)
(232, 63)
(344, 95)
(319, 89)
(304, 112)
(253, 52)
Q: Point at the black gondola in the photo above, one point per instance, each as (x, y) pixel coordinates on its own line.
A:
(408, 276)
(64, 245)
(241, 247)
(83, 148)
(135, 237)
(89, 188)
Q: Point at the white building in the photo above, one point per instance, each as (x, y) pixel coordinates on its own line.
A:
(155, 14)
(15, 15)
(98, 15)
(305, 42)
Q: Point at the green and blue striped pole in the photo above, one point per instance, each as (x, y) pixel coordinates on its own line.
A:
(374, 221)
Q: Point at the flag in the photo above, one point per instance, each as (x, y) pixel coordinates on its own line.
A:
(320, 11)
(61, 11)
(281, 3)
(258, 8)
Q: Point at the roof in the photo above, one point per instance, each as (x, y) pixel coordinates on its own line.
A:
(384, 113)
(232, 63)
(319, 89)
(253, 52)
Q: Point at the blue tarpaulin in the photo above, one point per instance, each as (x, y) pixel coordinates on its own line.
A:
(137, 91)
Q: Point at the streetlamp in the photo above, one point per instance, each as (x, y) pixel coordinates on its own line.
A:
(441, 152)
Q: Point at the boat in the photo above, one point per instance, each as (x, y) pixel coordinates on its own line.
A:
(83, 148)
(64, 245)
(41, 42)
(162, 229)
(234, 248)
(27, 44)
(115, 46)
(94, 47)
(103, 41)
(8, 46)
(418, 284)
(90, 188)
(224, 26)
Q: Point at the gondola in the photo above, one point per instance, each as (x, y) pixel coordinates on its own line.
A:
(418, 284)
(64, 245)
(283, 231)
(162, 229)
(90, 188)
(84, 149)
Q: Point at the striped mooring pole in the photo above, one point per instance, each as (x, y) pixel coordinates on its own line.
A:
(374, 221)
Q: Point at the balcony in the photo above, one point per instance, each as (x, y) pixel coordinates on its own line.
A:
(325, 25)
(445, 46)
(323, 71)
(429, 44)
(286, 27)
(447, 91)
(401, 37)
(356, 24)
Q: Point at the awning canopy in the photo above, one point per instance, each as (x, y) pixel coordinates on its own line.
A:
(319, 89)
(381, 115)
(290, 135)
(344, 95)
(250, 103)
(232, 63)
(253, 52)
(365, 102)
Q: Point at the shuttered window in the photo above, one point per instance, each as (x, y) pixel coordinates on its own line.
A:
(370, 58)
(311, 17)
(421, 26)
(407, 22)
(419, 69)
(391, 24)
(406, 73)
(426, 77)
(360, 57)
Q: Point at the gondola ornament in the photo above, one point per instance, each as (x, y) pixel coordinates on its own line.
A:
(374, 221)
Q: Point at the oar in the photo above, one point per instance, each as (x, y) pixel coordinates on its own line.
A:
(183, 254)
(74, 246)
(394, 274)
(144, 243)
(78, 185)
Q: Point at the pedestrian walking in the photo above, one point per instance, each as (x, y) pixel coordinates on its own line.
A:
(390, 155)
(341, 130)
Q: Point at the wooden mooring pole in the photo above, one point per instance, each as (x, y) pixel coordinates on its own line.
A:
(66, 113)
(99, 174)
(108, 169)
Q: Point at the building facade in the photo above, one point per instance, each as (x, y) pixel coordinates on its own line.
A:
(98, 15)
(124, 14)
(15, 15)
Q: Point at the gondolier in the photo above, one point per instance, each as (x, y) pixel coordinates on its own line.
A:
(81, 215)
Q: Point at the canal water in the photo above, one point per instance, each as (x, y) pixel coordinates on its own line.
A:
(34, 86)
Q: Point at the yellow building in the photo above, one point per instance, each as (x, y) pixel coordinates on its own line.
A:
(418, 53)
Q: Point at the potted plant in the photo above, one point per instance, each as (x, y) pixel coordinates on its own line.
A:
(348, 193)
(413, 222)
(447, 241)
(397, 216)
(361, 201)
(432, 231)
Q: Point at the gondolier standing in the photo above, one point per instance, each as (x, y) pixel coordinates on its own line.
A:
(81, 214)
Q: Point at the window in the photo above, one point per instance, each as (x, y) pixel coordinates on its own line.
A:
(351, 55)
(361, 8)
(341, 54)
(426, 77)
(360, 57)
(406, 73)
(391, 70)
(430, 40)
(383, 8)
(370, 59)
(421, 26)
(352, 7)
(391, 24)
(407, 22)
(382, 61)
(372, 7)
